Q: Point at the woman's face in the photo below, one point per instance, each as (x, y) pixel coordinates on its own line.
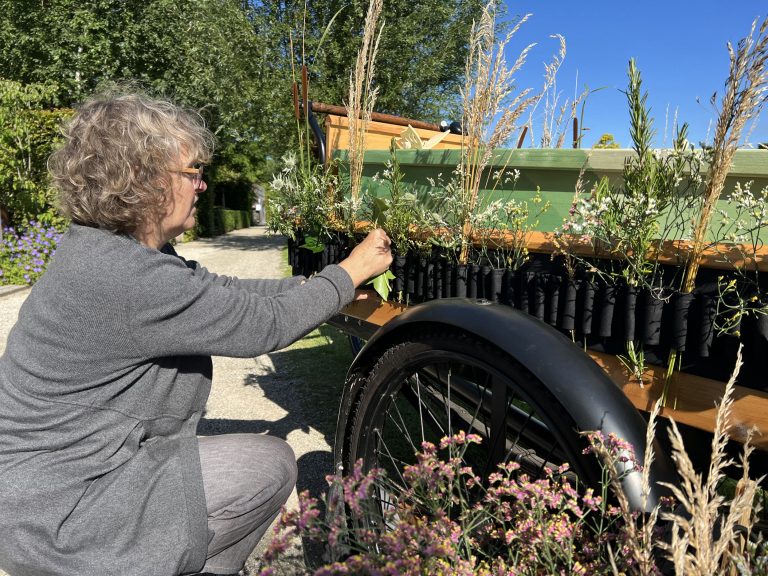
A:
(185, 185)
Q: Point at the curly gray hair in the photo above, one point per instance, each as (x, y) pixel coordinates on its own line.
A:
(112, 170)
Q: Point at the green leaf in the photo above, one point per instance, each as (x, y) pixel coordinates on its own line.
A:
(380, 207)
(312, 244)
(383, 284)
(325, 32)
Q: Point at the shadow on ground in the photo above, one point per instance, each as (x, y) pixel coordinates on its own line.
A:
(234, 242)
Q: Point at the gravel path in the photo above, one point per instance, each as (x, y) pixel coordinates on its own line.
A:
(268, 394)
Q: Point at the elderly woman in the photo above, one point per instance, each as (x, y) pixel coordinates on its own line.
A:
(107, 371)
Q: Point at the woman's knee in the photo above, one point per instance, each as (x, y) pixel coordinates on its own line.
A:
(283, 464)
(276, 463)
(246, 469)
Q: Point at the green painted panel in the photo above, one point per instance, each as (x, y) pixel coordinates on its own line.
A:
(552, 171)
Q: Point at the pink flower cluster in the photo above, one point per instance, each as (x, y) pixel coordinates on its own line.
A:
(442, 519)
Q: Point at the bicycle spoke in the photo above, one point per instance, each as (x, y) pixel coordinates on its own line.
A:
(401, 426)
(398, 464)
(421, 415)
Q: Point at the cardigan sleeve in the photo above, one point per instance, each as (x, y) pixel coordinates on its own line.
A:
(174, 310)
(263, 286)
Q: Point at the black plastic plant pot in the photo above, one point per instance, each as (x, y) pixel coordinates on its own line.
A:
(447, 269)
(398, 269)
(629, 310)
(409, 275)
(483, 273)
(680, 312)
(553, 299)
(437, 277)
(587, 293)
(429, 279)
(653, 309)
(472, 272)
(460, 280)
(707, 316)
(509, 287)
(420, 283)
(303, 262)
(607, 307)
(526, 282)
(754, 336)
(495, 284)
(539, 295)
(569, 292)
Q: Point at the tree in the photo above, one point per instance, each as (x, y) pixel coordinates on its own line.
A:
(201, 53)
(232, 59)
(606, 141)
(420, 63)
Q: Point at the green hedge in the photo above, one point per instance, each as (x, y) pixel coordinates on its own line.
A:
(28, 133)
(225, 220)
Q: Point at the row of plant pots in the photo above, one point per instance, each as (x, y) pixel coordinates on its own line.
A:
(601, 312)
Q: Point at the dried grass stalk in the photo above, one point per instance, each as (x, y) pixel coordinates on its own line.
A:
(642, 544)
(704, 539)
(745, 94)
(362, 94)
(491, 111)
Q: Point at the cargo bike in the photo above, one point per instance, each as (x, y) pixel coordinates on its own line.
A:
(529, 358)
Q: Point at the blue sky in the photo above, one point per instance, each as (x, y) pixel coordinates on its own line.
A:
(679, 47)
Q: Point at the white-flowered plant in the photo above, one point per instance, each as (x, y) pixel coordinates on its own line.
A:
(651, 203)
(742, 223)
(300, 198)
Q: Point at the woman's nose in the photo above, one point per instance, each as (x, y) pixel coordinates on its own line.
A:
(202, 187)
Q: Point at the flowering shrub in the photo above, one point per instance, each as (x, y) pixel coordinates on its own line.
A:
(299, 198)
(446, 520)
(25, 254)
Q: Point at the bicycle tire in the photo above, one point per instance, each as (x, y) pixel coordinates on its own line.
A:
(538, 430)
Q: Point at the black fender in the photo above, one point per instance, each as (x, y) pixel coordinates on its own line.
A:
(593, 400)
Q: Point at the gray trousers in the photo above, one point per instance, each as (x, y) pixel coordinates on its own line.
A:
(247, 478)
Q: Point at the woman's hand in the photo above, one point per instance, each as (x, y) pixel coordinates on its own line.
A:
(369, 258)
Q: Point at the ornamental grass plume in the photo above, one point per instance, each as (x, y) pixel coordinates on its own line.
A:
(362, 94)
(745, 94)
(556, 114)
(706, 535)
(491, 111)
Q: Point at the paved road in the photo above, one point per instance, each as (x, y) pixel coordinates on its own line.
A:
(267, 394)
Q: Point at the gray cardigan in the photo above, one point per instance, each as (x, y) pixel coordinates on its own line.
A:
(102, 384)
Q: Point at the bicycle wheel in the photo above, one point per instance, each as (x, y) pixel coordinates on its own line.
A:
(442, 381)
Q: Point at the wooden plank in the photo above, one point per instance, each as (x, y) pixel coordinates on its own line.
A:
(691, 398)
(376, 116)
(677, 253)
(378, 136)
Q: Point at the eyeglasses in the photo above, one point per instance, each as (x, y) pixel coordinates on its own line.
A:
(195, 173)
